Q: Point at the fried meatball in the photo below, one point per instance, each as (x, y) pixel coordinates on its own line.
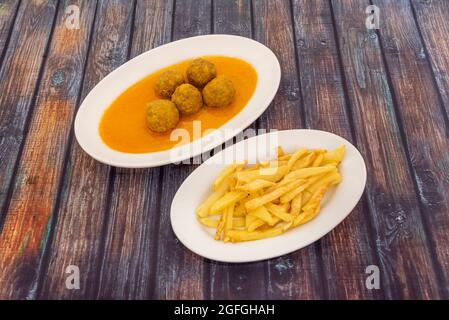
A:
(200, 72)
(167, 83)
(219, 92)
(187, 99)
(162, 115)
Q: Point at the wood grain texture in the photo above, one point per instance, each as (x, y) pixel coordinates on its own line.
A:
(8, 13)
(346, 251)
(19, 244)
(131, 239)
(397, 225)
(432, 18)
(298, 275)
(386, 90)
(426, 138)
(179, 272)
(38, 175)
(230, 281)
(24, 56)
(82, 213)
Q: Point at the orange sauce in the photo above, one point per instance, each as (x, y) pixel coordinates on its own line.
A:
(123, 126)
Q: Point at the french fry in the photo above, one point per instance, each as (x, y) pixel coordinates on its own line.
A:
(225, 173)
(229, 212)
(257, 223)
(255, 185)
(280, 152)
(228, 199)
(239, 236)
(262, 214)
(279, 212)
(285, 206)
(334, 155)
(305, 217)
(220, 227)
(209, 222)
(269, 174)
(248, 220)
(203, 210)
(238, 222)
(269, 197)
(285, 157)
(318, 160)
(308, 172)
(305, 161)
(289, 196)
(316, 197)
(296, 205)
(240, 210)
(333, 178)
(298, 154)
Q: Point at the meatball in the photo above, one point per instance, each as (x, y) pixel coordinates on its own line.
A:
(167, 83)
(219, 92)
(187, 99)
(162, 115)
(200, 72)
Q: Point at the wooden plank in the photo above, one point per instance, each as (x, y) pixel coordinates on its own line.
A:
(82, 213)
(346, 251)
(433, 23)
(8, 13)
(425, 133)
(295, 276)
(131, 238)
(179, 272)
(24, 56)
(391, 200)
(242, 281)
(39, 171)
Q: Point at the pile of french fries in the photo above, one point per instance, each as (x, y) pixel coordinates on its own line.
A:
(269, 198)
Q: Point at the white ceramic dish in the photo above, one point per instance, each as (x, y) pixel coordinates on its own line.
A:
(106, 91)
(337, 204)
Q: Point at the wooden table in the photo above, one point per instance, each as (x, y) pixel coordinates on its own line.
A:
(385, 90)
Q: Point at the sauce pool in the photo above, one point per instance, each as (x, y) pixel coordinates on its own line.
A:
(123, 126)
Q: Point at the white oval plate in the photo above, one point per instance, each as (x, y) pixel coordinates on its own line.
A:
(337, 204)
(107, 90)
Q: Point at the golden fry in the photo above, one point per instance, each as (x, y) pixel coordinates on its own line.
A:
(334, 156)
(333, 178)
(262, 214)
(308, 172)
(239, 236)
(296, 205)
(269, 174)
(228, 199)
(289, 196)
(298, 154)
(203, 210)
(226, 172)
(209, 222)
(248, 220)
(280, 152)
(305, 161)
(257, 223)
(279, 212)
(255, 185)
(258, 202)
(318, 160)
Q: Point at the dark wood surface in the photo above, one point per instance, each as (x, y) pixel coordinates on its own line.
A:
(385, 90)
